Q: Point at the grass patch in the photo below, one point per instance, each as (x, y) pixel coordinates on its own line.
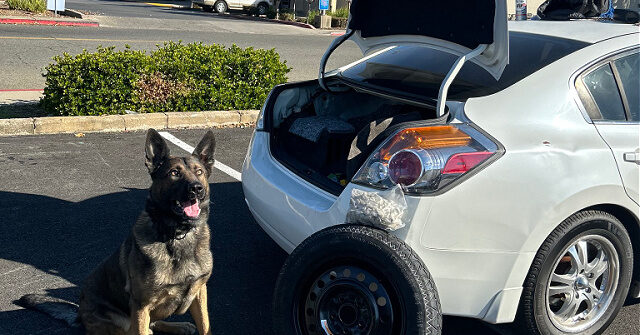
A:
(34, 6)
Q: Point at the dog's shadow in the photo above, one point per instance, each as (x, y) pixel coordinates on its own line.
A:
(54, 243)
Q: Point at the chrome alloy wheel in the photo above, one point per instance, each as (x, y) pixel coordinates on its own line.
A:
(221, 7)
(583, 283)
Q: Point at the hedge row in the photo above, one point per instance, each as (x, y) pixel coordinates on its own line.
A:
(174, 77)
(34, 6)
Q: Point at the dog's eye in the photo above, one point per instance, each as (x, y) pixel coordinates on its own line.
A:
(199, 172)
(174, 173)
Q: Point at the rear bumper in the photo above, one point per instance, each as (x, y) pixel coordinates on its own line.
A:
(471, 283)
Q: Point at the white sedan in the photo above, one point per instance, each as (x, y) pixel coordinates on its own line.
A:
(404, 186)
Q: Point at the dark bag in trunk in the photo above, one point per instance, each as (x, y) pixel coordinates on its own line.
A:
(572, 9)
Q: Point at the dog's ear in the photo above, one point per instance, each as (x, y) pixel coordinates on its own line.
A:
(204, 150)
(156, 150)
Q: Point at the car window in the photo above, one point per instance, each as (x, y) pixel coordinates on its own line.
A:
(418, 71)
(603, 88)
(629, 72)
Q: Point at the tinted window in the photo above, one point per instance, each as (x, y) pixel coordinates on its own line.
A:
(602, 86)
(629, 71)
(419, 71)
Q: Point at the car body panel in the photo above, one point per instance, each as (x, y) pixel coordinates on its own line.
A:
(493, 59)
(624, 140)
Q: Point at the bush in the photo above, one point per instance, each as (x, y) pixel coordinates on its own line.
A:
(175, 77)
(271, 13)
(286, 16)
(338, 22)
(34, 6)
(312, 16)
(341, 12)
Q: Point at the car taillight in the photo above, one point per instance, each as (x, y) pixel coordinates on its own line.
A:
(425, 159)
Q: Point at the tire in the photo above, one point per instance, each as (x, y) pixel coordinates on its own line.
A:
(220, 7)
(207, 8)
(547, 309)
(359, 280)
(262, 8)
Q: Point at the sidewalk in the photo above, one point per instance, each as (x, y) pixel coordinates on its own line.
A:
(19, 96)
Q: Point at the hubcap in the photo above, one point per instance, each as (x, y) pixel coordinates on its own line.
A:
(347, 300)
(220, 7)
(583, 283)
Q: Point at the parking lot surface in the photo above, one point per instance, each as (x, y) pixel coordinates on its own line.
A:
(67, 202)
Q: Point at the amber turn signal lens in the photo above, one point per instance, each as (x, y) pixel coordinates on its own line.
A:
(425, 138)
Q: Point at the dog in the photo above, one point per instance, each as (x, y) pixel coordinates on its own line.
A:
(163, 266)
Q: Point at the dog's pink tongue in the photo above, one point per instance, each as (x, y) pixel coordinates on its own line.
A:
(192, 210)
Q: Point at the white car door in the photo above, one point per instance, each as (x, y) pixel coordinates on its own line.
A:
(610, 92)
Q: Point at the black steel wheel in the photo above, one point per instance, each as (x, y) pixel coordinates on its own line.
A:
(355, 280)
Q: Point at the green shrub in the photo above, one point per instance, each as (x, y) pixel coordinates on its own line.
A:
(312, 15)
(175, 77)
(287, 16)
(35, 6)
(341, 12)
(271, 13)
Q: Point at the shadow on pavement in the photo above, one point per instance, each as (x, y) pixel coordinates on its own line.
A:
(66, 240)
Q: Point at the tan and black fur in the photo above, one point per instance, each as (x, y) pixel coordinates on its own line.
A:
(163, 266)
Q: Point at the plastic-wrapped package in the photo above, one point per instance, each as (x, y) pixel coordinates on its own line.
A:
(382, 209)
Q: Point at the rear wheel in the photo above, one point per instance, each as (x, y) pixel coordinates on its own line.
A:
(355, 280)
(220, 7)
(580, 277)
(262, 8)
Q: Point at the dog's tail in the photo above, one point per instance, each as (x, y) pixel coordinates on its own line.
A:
(57, 308)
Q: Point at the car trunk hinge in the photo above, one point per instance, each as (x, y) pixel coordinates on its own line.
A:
(323, 62)
(444, 87)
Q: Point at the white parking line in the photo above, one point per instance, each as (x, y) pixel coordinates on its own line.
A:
(186, 147)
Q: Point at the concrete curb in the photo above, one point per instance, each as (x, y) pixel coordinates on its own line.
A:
(47, 22)
(263, 19)
(129, 122)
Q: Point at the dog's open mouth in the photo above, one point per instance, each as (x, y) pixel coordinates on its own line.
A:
(190, 208)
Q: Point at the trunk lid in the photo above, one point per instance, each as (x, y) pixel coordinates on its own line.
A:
(457, 27)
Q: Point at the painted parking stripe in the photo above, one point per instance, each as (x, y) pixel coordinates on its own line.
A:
(186, 147)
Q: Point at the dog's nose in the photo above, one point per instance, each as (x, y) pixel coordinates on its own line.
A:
(196, 189)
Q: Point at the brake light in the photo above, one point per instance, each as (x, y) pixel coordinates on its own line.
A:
(425, 159)
(463, 162)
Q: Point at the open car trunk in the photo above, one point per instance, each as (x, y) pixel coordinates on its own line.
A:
(325, 137)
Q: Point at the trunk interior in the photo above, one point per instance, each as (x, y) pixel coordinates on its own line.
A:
(325, 137)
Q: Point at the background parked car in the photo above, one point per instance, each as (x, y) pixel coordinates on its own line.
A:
(221, 6)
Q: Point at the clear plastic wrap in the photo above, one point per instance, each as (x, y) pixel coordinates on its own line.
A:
(382, 209)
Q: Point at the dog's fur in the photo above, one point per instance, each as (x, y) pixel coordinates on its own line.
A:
(163, 266)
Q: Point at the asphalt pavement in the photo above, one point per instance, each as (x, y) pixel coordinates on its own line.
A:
(67, 202)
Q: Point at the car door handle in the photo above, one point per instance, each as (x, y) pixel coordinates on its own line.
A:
(633, 157)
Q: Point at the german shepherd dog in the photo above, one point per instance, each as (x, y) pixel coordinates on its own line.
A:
(163, 266)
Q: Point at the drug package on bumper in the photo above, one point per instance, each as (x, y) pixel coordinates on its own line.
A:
(382, 209)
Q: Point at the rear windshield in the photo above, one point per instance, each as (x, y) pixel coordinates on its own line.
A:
(418, 71)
